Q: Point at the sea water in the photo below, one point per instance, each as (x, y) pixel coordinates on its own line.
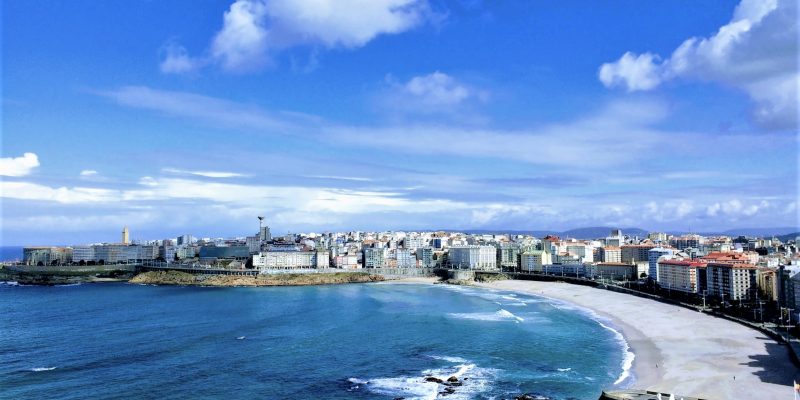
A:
(357, 341)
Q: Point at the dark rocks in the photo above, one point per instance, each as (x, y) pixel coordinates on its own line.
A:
(433, 379)
(531, 396)
(452, 379)
(446, 391)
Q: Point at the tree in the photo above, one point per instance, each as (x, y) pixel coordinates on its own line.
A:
(82, 263)
(101, 262)
(643, 275)
(40, 264)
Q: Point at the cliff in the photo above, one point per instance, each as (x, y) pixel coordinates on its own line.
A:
(183, 278)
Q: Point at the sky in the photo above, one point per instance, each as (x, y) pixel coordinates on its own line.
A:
(195, 117)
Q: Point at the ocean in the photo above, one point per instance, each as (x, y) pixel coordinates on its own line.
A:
(10, 253)
(356, 341)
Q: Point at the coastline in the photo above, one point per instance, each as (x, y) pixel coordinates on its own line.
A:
(186, 279)
(677, 350)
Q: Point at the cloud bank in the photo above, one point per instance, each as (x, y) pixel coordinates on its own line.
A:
(755, 52)
(18, 166)
(253, 29)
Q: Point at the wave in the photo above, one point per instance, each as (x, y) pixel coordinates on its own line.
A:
(501, 315)
(9, 283)
(564, 369)
(627, 355)
(449, 359)
(40, 369)
(473, 380)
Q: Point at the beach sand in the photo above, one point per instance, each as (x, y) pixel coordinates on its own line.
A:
(678, 350)
(409, 280)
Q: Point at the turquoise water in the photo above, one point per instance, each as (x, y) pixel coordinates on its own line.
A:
(359, 341)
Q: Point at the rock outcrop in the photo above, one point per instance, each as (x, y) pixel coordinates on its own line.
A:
(187, 279)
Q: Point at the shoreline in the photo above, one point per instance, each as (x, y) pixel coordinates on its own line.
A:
(676, 350)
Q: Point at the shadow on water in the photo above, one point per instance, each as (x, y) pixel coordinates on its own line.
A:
(774, 367)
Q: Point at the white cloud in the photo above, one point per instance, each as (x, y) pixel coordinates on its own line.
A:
(632, 71)
(439, 89)
(148, 181)
(755, 52)
(88, 173)
(19, 166)
(202, 108)
(206, 174)
(735, 208)
(339, 178)
(242, 43)
(253, 28)
(177, 60)
(584, 142)
(76, 195)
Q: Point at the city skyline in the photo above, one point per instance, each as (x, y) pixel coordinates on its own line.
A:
(424, 115)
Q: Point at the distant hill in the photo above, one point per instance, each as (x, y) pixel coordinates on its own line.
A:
(761, 232)
(601, 232)
(791, 236)
(596, 232)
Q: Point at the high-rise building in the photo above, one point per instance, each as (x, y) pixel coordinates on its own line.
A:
(652, 260)
(404, 259)
(633, 253)
(615, 239)
(425, 257)
(609, 254)
(373, 257)
(264, 235)
(125, 236)
(508, 256)
(682, 275)
(535, 260)
(731, 281)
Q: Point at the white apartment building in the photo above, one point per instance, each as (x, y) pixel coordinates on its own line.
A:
(291, 260)
(473, 257)
(609, 254)
(680, 275)
(535, 260)
(731, 281)
(581, 250)
(82, 253)
(405, 259)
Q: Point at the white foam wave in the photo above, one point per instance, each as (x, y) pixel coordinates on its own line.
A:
(473, 380)
(407, 387)
(40, 369)
(9, 283)
(449, 359)
(627, 359)
(502, 315)
(564, 369)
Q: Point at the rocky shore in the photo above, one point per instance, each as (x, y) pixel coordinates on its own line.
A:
(186, 279)
(61, 276)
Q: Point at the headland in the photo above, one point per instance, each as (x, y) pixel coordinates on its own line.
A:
(187, 279)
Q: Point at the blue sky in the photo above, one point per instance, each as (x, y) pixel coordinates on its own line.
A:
(195, 117)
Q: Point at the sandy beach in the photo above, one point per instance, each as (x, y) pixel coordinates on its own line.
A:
(678, 350)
